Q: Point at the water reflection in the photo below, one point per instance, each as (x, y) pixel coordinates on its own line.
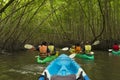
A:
(23, 66)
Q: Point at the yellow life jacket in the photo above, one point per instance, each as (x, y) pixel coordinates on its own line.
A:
(88, 47)
(51, 48)
(72, 50)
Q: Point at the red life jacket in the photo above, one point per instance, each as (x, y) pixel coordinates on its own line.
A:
(115, 47)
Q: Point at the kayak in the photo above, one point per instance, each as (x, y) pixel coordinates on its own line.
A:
(116, 52)
(47, 59)
(85, 56)
(64, 68)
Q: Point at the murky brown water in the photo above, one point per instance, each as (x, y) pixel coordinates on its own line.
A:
(23, 66)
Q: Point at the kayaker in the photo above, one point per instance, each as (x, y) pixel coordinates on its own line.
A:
(88, 47)
(43, 49)
(115, 47)
(52, 48)
(78, 48)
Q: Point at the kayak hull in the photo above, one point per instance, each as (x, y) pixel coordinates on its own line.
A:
(85, 56)
(62, 68)
(45, 60)
(116, 52)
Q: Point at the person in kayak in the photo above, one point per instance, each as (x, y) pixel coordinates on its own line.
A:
(43, 49)
(88, 47)
(52, 49)
(115, 47)
(78, 48)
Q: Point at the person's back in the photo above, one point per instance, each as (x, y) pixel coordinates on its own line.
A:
(115, 47)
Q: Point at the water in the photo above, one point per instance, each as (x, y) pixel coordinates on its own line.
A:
(104, 67)
(23, 66)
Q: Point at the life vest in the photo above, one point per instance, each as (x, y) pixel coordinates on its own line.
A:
(115, 47)
(51, 48)
(78, 49)
(43, 51)
(72, 50)
(88, 47)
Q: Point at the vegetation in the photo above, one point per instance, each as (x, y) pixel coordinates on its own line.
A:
(58, 21)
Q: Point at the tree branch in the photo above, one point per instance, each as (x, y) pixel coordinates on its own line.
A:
(3, 9)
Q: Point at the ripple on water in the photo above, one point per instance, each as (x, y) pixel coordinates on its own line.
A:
(29, 69)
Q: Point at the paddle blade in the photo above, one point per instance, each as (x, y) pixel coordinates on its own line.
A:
(72, 55)
(65, 49)
(36, 56)
(96, 42)
(92, 53)
(28, 46)
(109, 50)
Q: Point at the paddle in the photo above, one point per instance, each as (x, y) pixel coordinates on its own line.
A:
(74, 54)
(28, 46)
(96, 42)
(65, 49)
(109, 50)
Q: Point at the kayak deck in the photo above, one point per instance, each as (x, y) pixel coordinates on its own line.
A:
(85, 56)
(116, 52)
(63, 68)
(45, 60)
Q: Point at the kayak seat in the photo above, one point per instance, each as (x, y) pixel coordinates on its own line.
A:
(69, 77)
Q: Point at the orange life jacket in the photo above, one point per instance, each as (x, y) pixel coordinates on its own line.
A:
(78, 49)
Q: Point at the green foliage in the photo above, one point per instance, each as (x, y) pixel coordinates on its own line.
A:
(25, 20)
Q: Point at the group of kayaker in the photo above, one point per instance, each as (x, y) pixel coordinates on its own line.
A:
(45, 49)
(81, 48)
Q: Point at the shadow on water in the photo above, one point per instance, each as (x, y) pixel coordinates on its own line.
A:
(23, 66)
